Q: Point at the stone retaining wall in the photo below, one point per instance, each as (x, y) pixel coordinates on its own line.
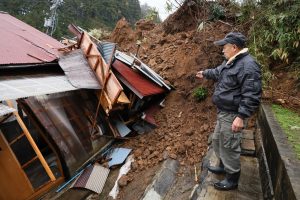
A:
(283, 165)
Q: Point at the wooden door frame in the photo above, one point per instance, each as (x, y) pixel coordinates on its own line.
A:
(53, 182)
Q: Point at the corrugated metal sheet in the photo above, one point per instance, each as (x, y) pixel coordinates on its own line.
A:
(23, 44)
(78, 70)
(107, 51)
(142, 67)
(93, 178)
(20, 86)
(124, 58)
(141, 86)
(4, 110)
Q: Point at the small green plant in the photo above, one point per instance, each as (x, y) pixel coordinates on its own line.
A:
(217, 11)
(200, 93)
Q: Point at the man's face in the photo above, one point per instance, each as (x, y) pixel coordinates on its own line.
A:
(229, 50)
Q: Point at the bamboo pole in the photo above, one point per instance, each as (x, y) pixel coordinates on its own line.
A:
(32, 143)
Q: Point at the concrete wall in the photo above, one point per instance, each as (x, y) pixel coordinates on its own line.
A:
(284, 167)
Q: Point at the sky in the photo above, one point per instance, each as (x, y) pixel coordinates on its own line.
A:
(159, 4)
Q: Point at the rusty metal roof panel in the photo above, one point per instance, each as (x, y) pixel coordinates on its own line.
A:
(93, 178)
(136, 81)
(4, 110)
(20, 86)
(23, 44)
(78, 70)
(107, 50)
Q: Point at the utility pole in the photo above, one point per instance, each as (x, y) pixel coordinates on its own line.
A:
(51, 22)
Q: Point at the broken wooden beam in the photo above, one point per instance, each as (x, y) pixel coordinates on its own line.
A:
(112, 91)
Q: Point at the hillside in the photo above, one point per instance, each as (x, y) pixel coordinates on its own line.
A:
(87, 14)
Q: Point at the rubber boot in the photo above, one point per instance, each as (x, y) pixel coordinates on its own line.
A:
(218, 169)
(229, 183)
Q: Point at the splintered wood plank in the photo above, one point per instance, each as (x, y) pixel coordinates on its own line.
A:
(92, 54)
(85, 43)
(123, 99)
(112, 89)
(105, 102)
(96, 65)
(103, 65)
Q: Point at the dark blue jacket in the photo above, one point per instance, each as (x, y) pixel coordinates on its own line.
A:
(238, 88)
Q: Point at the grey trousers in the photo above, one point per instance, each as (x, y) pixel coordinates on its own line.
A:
(226, 144)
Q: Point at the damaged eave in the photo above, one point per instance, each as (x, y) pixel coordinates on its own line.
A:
(112, 92)
(21, 86)
(77, 69)
(23, 44)
(4, 110)
(29, 65)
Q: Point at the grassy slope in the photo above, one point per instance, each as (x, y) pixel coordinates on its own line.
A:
(290, 122)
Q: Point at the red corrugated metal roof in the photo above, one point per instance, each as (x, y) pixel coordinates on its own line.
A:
(20, 43)
(137, 81)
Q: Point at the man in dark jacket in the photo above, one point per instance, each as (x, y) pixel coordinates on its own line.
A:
(237, 95)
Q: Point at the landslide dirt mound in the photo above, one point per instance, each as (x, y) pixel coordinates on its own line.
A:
(283, 90)
(176, 51)
(185, 18)
(184, 123)
(122, 34)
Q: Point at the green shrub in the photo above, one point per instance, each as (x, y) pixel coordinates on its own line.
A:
(200, 93)
(275, 32)
(216, 11)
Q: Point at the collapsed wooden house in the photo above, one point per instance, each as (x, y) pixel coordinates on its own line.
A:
(45, 122)
(60, 106)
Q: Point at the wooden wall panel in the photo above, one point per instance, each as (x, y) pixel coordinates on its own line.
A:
(111, 88)
(14, 184)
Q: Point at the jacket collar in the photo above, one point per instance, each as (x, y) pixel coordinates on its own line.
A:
(241, 53)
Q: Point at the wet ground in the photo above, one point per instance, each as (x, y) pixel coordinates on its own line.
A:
(249, 184)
